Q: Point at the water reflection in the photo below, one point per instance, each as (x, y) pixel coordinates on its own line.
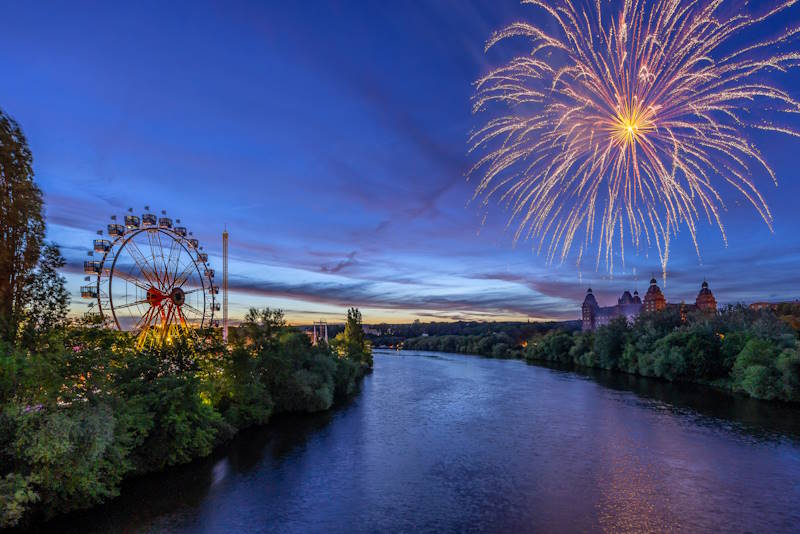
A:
(441, 442)
(700, 405)
(178, 491)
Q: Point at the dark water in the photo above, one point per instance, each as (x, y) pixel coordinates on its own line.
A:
(440, 442)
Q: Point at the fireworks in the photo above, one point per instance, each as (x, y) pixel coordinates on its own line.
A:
(626, 122)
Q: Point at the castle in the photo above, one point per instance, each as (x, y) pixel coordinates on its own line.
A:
(630, 306)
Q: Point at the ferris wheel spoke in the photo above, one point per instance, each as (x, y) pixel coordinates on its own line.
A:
(181, 317)
(145, 320)
(143, 264)
(166, 319)
(168, 265)
(153, 253)
(178, 265)
(157, 250)
(184, 276)
(195, 290)
(179, 269)
(130, 304)
(151, 324)
(192, 309)
(133, 280)
(163, 322)
(179, 281)
(163, 257)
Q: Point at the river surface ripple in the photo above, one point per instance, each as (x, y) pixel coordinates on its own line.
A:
(443, 442)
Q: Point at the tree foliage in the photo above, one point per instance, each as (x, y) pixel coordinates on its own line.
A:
(21, 225)
(462, 336)
(86, 409)
(352, 343)
(48, 299)
(753, 352)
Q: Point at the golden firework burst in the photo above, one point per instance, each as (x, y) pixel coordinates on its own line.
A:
(624, 123)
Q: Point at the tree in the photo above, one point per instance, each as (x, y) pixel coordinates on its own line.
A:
(261, 329)
(48, 298)
(351, 343)
(21, 224)
(353, 329)
(609, 342)
(754, 371)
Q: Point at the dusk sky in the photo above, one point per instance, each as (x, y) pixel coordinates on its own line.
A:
(330, 140)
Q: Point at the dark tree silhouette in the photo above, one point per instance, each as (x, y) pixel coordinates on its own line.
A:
(21, 225)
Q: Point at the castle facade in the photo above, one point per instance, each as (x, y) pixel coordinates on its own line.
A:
(630, 306)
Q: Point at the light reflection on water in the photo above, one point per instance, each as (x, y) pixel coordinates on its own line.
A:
(441, 442)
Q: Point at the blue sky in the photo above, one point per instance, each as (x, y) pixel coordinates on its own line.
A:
(330, 139)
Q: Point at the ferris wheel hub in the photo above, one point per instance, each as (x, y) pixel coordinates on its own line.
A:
(178, 296)
(154, 296)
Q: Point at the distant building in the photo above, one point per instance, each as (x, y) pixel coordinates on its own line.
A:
(371, 331)
(654, 299)
(317, 332)
(630, 306)
(705, 300)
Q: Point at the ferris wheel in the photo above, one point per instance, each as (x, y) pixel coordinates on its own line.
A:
(150, 277)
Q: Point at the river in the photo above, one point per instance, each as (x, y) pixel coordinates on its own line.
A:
(443, 442)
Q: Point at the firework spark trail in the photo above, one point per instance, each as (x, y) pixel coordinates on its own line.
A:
(625, 126)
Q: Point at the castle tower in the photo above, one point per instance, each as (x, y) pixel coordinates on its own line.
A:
(589, 311)
(705, 301)
(654, 299)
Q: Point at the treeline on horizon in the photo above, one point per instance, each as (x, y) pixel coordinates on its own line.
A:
(752, 352)
(462, 334)
(81, 407)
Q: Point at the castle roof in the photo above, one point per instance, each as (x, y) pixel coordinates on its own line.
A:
(704, 289)
(590, 300)
(705, 298)
(653, 292)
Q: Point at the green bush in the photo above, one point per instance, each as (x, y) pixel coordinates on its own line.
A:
(766, 370)
(609, 343)
(16, 497)
(89, 408)
(73, 455)
(752, 352)
(788, 366)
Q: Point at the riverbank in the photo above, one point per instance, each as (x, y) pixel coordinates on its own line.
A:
(91, 409)
(738, 350)
(441, 442)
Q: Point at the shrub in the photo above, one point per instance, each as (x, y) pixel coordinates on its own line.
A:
(75, 420)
